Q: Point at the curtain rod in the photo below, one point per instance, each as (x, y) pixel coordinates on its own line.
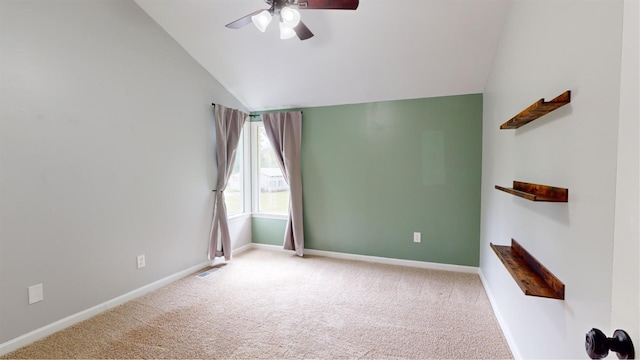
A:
(268, 113)
(214, 104)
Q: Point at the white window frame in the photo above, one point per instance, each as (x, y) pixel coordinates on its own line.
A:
(255, 177)
(246, 172)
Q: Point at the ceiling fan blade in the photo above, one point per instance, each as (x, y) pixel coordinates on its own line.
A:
(245, 20)
(328, 4)
(302, 31)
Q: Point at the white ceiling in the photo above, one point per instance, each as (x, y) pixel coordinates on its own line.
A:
(384, 50)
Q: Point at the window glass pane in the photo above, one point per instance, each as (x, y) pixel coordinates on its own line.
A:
(234, 198)
(274, 190)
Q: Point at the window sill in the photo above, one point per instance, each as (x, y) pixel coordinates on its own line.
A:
(270, 216)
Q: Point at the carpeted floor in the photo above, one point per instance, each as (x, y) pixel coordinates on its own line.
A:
(267, 304)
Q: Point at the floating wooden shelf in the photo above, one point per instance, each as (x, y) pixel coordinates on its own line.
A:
(533, 278)
(536, 192)
(536, 110)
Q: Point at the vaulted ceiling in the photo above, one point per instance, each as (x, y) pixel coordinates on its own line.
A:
(384, 50)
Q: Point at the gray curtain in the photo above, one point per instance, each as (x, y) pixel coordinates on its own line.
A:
(228, 128)
(284, 131)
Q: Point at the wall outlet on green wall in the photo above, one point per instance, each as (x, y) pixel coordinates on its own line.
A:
(417, 237)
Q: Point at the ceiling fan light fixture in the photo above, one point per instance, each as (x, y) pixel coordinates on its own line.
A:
(262, 20)
(290, 16)
(286, 32)
(290, 23)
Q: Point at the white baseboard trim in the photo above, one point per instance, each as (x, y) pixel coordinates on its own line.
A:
(377, 259)
(503, 325)
(278, 248)
(391, 261)
(241, 249)
(37, 334)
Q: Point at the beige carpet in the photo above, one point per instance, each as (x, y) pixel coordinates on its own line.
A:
(266, 304)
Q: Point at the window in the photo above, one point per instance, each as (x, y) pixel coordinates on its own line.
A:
(237, 186)
(270, 187)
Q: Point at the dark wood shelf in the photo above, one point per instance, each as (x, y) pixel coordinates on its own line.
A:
(537, 192)
(532, 277)
(536, 110)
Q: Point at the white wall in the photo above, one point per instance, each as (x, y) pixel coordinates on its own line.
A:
(106, 152)
(625, 296)
(240, 231)
(548, 47)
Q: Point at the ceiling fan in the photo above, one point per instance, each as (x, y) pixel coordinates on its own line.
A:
(290, 24)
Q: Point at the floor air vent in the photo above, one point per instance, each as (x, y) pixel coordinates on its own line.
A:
(206, 273)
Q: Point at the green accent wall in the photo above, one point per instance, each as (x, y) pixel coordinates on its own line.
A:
(374, 173)
(268, 231)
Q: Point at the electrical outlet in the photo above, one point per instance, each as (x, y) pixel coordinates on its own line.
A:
(36, 294)
(141, 261)
(417, 237)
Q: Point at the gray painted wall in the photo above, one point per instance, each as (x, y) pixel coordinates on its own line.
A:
(625, 294)
(106, 152)
(573, 147)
